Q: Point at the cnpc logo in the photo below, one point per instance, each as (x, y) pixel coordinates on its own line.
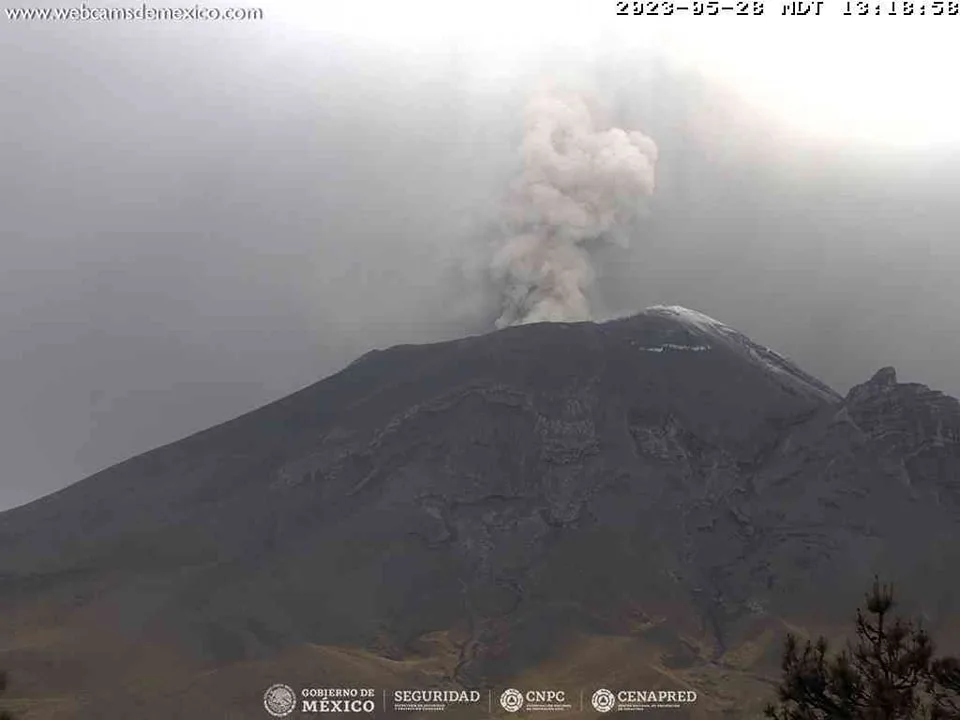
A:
(512, 700)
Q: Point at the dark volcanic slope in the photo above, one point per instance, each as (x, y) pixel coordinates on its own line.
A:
(659, 478)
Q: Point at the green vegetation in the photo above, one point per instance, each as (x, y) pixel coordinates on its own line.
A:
(889, 673)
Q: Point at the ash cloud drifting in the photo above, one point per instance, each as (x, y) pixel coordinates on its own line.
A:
(578, 186)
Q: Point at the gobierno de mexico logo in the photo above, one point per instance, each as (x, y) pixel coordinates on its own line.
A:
(280, 700)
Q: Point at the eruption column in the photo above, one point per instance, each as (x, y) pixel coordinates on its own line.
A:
(577, 186)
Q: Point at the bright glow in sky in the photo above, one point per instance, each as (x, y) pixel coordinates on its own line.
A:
(888, 80)
(878, 80)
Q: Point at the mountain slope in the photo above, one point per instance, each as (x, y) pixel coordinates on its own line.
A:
(658, 489)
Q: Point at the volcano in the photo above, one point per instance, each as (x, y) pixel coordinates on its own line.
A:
(650, 502)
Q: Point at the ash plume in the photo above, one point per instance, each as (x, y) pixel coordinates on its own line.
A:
(578, 186)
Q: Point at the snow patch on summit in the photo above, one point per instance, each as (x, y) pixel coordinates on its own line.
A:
(688, 317)
(771, 360)
(671, 346)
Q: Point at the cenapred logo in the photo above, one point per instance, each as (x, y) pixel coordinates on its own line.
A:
(603, 700)
(280, 700)
(511, 700)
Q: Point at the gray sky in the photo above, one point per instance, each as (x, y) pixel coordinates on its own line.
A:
(199, 218)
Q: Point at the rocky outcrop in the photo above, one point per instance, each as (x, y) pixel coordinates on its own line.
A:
(915, 428)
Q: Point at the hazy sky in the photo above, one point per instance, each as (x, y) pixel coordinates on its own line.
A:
(198, 218)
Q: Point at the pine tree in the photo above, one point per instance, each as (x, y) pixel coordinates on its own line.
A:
(944, 688)
(889, 673)
(4, 715)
